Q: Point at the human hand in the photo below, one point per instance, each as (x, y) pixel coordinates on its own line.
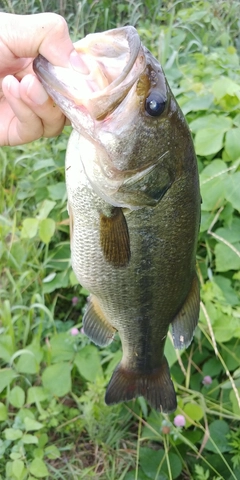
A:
(26, 110)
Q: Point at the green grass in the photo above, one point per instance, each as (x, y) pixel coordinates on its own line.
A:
(53, 420)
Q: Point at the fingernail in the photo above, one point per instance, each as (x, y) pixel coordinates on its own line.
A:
(12, 85)
(36, 92)
(77, 63)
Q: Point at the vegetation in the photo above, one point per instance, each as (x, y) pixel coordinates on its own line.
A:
(53, 420)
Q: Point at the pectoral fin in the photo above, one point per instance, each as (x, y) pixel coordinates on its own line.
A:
(114, 237)
(95, 325)
(185, 322)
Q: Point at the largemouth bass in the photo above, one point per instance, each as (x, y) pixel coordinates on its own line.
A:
(134, 207)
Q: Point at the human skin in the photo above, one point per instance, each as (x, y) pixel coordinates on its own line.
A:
(26, 111)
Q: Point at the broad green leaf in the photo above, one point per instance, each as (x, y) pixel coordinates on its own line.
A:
(42, 440)
(29, 227)
(153, 461)
(231, 355)
(27, 362)
(232, 189)
(6, 348)
(17, 397)
(62, 349)
(225, 328)
(228, 292)
(13, 434)
(116, 358)
(88, 362)
(226, 258)
(170, 352)
(212, 367)
(232, 143)
(38, 468)
(17, 468)
(209, 141)
(197, 103)
(36, 395)
(73, 279)
(211, 180)
(52, 452)
(46, 229)
(236, 120)
(56, 379)
(151, 429)
(57, 191)
(29, 439)
(39, 164)
(218, 122)
(218, 441)
(38, 452)
(45, 208)
(207, 217)
(59, 281)
(193, 413)
(3, 412)
(232, 232)
(6, 377)
(32, 425)
(225, 86)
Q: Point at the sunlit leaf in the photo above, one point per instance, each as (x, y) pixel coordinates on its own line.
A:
(29, 228)
(17, 397)
(38, 468)
(46, 229)
(45, 208)
(232, 189)
(88, 362)
(56, 379)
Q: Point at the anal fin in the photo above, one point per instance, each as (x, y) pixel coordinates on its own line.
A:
(156, 387)
(114, 237)
(185, 322)
(95, 325)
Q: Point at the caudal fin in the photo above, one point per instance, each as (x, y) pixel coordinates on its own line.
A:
(156, 387)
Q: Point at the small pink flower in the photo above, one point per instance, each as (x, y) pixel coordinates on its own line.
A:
(82, 331)
(74, 331)
(207, 380)
(179, 421)
(74, 300)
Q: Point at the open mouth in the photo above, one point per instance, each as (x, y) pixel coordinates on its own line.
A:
(114, 61)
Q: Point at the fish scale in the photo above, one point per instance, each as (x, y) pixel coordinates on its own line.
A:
(134, 206)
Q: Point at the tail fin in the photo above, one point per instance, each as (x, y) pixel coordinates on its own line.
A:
(156, 387)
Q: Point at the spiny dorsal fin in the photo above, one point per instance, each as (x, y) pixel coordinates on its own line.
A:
(114, 238)
(95, 325)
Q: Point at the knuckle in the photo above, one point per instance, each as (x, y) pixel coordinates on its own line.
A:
(59, 24)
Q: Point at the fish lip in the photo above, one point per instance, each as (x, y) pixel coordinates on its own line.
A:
(62, 83)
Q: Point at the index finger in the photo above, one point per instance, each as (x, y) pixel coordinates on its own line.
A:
(45, 33)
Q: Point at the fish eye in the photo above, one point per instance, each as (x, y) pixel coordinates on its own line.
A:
(155, 104)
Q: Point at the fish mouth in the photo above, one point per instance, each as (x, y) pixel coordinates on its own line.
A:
(114, 61)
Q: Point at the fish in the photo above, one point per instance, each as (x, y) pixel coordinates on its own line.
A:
(134, 207)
